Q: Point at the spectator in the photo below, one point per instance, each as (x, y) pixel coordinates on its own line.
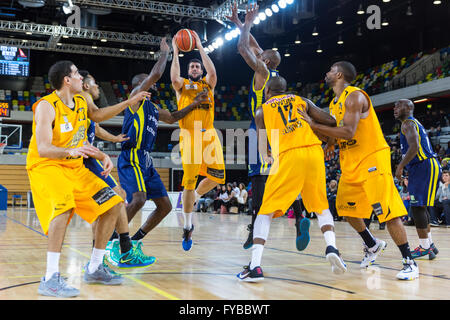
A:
(242, 198)
(218, 199)
(404, 194)
(331, 195)
(447, 151)
(234, 194)
(443, 202)
(439, 151)
(206, 200)
(444, 165)
(225, 197)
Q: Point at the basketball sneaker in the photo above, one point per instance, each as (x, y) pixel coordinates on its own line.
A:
(253, 275)
(187, 239)
(249, 243)
(371, 254)
(435, 250)
(113, 252)
(421, 252)
(302, 239)
(135, 259)
(102, 275)
(338, 265)
(410, 270)
(56, 286)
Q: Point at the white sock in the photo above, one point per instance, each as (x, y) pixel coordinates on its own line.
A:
(96, 259)
(425, 243)
(330, 238)
(197, 196)
(187, 220)
(257, 251)
(52, 264)
(429, 238)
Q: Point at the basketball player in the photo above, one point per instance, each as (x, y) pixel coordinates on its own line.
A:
(366, 183)
(200, 147)
(298, 167)
(264, 64)
(134, 255)
(61, 184)
(424, 173)
(137, 175)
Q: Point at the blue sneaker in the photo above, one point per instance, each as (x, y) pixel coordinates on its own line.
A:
(135, 259)
(302, 240)
(187, 239)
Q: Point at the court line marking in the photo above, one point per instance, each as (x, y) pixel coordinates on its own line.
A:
(142, 283)
(148, 286)
(358, 262)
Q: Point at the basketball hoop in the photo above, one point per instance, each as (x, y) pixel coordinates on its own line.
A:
(2, 146)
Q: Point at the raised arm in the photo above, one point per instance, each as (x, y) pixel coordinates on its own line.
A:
(173, 117)
(245, 50)
(211, 75)
(252, 41)
(157, 70)
(175, 77)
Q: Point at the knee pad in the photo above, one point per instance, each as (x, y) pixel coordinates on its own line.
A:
(420, 216)
(326, 218)
(262, 226)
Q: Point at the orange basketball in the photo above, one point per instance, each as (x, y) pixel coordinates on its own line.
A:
(185, 40)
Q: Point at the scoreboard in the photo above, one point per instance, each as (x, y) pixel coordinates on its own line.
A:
(14, 61)
(5, 109)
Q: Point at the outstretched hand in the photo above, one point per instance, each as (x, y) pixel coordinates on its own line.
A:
(251, 14)
(163, 46)
(234, 16)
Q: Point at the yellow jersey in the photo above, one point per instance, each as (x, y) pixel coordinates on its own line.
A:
(285, 129)
(69, 131)
(204, 112)
(368, 137)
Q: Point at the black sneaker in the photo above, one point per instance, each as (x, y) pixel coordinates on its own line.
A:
(187, 239)
(254, 275)
(249, 243)
(434, 249)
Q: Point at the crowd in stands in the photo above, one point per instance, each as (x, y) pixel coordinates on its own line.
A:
(226, 198)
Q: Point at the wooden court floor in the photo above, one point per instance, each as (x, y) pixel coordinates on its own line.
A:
(209, 270)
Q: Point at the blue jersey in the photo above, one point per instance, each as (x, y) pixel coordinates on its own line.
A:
(141, 126)
(90, 133)
(256, 98)
(425, 150)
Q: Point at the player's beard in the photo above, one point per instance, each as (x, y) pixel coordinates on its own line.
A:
(195, 79)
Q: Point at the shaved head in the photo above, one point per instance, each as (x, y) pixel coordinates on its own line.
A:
(408, 103)
(275, 86)
(137, 79)
(273, 56)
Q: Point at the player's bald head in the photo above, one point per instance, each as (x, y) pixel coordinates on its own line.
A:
(273, 56)
(407, 103)
(275, 86)
(137, 79)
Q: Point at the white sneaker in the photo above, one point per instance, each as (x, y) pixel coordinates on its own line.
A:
(410, 270)
(370, 255)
